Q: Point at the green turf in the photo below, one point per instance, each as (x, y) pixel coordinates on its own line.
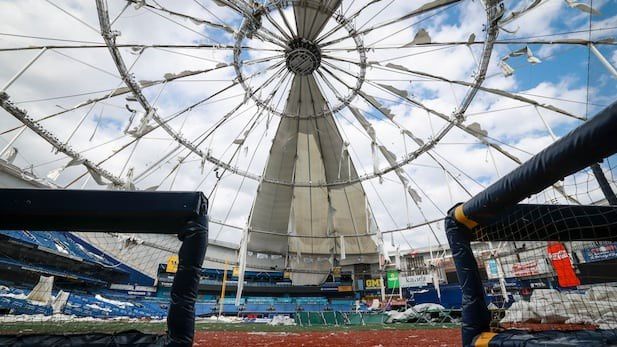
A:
(115, 326)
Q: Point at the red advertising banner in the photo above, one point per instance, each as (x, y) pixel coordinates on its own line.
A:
(563, 266)
(525, 269)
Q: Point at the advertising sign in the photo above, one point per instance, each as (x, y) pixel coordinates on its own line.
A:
(415, 281)
(372, 283)
(521, 269)
(604, 252)
(560, 259)
(491, 269)
(524, 269)
(393, 280)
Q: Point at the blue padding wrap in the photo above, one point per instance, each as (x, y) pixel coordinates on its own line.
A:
(584, 146)
(520, 338)
(181, 317)
(475, 315)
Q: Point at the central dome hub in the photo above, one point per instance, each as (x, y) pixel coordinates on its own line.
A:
(302, 56)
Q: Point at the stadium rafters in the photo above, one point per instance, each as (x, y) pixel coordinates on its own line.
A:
(342, 83)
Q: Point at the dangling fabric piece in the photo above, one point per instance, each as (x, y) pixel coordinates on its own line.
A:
(376, 104)
(10, 155)
(344, 157)
(242, 139)
(143, 127)
(97, 178)
(242, 264)
(42, 291)
(291, 231)
(435, 276)
(531, 58)
(583, 7)
(375, 157)
(378, 238)
(397, 258)
(342, 242)
(416, 139)
(55, 173)
(516, 14)
(364, 122)
(506, 69)
(414, 195)
(129, 185)
(75, 162)
(422, 37)
(331, 212)
(399, 92)
(502, 280)
(525, 51)
(471, 39)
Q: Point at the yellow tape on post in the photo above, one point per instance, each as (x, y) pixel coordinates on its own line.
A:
(484, 339)
(460, 217)
(172, 264)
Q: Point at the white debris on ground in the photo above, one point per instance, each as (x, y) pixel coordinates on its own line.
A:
(412, 312)
(121, 304)
(282, 320)
(37, 318)
(428, 307)
(220, 319)
(596, 306)
(97, 307)
(23, 297)
(375, 305)
(400, 316)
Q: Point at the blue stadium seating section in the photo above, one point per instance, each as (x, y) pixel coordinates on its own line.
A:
(61, 243)
(6, 262)
(205, 309)
(88, 305)
(81, 304)
(67, 245)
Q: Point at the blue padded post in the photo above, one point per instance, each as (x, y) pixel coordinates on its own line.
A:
(181, 316)
(476, 317)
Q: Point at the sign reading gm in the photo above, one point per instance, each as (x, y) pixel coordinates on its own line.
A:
(372, 283)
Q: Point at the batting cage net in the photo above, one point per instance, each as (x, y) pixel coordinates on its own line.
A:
(546, 235)
(551, 266)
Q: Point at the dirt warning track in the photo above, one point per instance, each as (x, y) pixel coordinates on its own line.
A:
(365, 338)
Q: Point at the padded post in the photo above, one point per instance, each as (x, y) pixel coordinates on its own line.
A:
(476, 317)
(181, 316)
